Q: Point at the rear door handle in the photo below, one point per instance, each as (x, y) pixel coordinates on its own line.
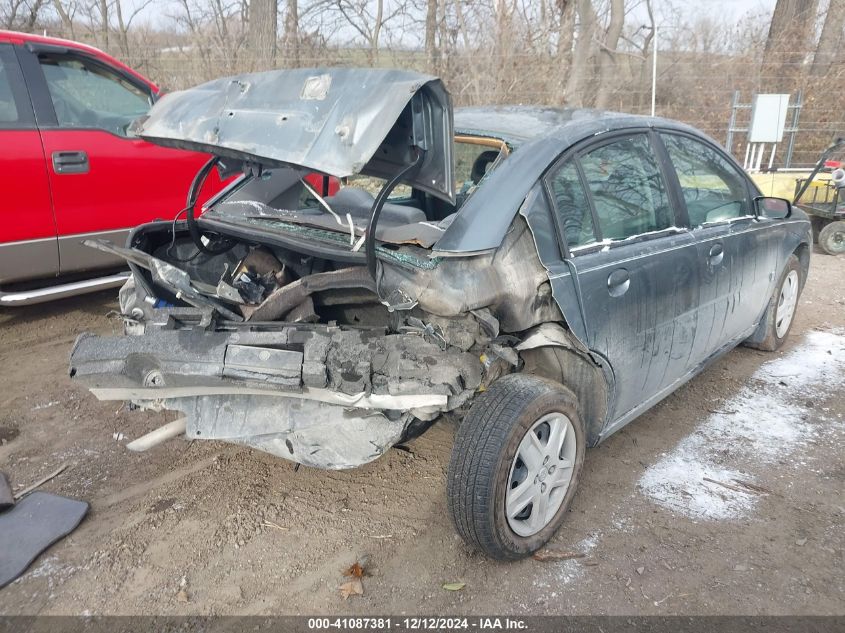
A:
(716, 254)
(618, 282)
(70, 162)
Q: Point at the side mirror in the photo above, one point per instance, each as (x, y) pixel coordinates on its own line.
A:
(774, 208)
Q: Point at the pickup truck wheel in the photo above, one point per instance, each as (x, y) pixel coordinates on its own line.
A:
(515, 466)
(782, 306)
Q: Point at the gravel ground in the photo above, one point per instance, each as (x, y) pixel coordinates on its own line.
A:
(209, 528)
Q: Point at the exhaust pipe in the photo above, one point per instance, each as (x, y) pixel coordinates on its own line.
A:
(161, 434)
(41, 295)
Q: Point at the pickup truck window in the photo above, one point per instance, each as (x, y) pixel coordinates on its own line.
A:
(8, 109)
(87, 95)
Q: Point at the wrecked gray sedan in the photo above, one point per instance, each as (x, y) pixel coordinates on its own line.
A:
(544, 275)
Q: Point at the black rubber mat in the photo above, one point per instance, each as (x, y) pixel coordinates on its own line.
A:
(6, 498)
(34, 524)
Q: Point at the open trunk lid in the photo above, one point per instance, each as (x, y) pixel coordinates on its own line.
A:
(337, 121)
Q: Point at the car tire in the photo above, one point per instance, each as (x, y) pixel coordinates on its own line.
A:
(487, 471)
(780, 313)
(832, 238)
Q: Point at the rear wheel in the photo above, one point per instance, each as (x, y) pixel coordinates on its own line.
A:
(515, 466)
(832, 238)
(782, 306)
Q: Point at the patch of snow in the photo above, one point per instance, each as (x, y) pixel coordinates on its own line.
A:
(765, 421)
(565, 571)
(47, 405)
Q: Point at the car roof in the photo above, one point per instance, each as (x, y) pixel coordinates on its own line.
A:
(516, 124)
(544, 134)
(19, 38)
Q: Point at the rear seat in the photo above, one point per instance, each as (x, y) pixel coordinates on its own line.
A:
(358, 203)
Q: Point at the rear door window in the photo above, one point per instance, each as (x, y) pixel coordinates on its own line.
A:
(572, 207)
(627, 188)
(713, 189)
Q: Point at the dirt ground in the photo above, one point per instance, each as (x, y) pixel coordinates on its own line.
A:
(209, 528)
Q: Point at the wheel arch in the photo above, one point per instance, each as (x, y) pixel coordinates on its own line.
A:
(552, 353)
(802, 252)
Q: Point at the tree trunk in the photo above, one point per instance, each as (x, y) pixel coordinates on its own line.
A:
(262, 31)
(431, 35)
(830, 39)
(67, 23)
(565, 32)
(789, 38)
(374, 45)
(104, 23)
(582, 56)
(292, 34)
(606, 78)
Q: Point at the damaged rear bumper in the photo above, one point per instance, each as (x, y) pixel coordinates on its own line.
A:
(323, 396)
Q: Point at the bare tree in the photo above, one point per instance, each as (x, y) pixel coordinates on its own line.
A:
(608, 53)
(830, 39)
(579, 73)
(790, 33)
(263, 15)
(292, 33)
(20, 14)
(431, 29)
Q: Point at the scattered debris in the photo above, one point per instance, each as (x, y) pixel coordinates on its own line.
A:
(754, 487)
(353, 587)
(727, 485)
(40, 482)
(454, 586)
(357, 569)
(741, 567)
(118, 436)
(182, 596)
(275, 525)
(544, 555)
(801, 542)
(640, 570)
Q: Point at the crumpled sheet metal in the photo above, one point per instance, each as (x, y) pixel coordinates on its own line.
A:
(337, 121)
(316, 434)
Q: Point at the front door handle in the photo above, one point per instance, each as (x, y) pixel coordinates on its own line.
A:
(618, 282)
(70, 162)
(716, 254)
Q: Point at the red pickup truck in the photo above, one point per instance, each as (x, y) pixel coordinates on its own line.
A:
(69, 171)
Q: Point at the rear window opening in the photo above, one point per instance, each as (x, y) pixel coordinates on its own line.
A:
(286, 195)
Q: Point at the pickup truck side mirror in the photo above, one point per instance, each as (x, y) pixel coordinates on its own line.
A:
(774, 208)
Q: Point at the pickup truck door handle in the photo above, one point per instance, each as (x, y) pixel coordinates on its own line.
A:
(716, 254)
(618, 282)
(70, 162)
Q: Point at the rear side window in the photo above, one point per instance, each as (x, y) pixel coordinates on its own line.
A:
(8, 109)
(627, 188)
(572, 206)
(85, 94)
(713, 189)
